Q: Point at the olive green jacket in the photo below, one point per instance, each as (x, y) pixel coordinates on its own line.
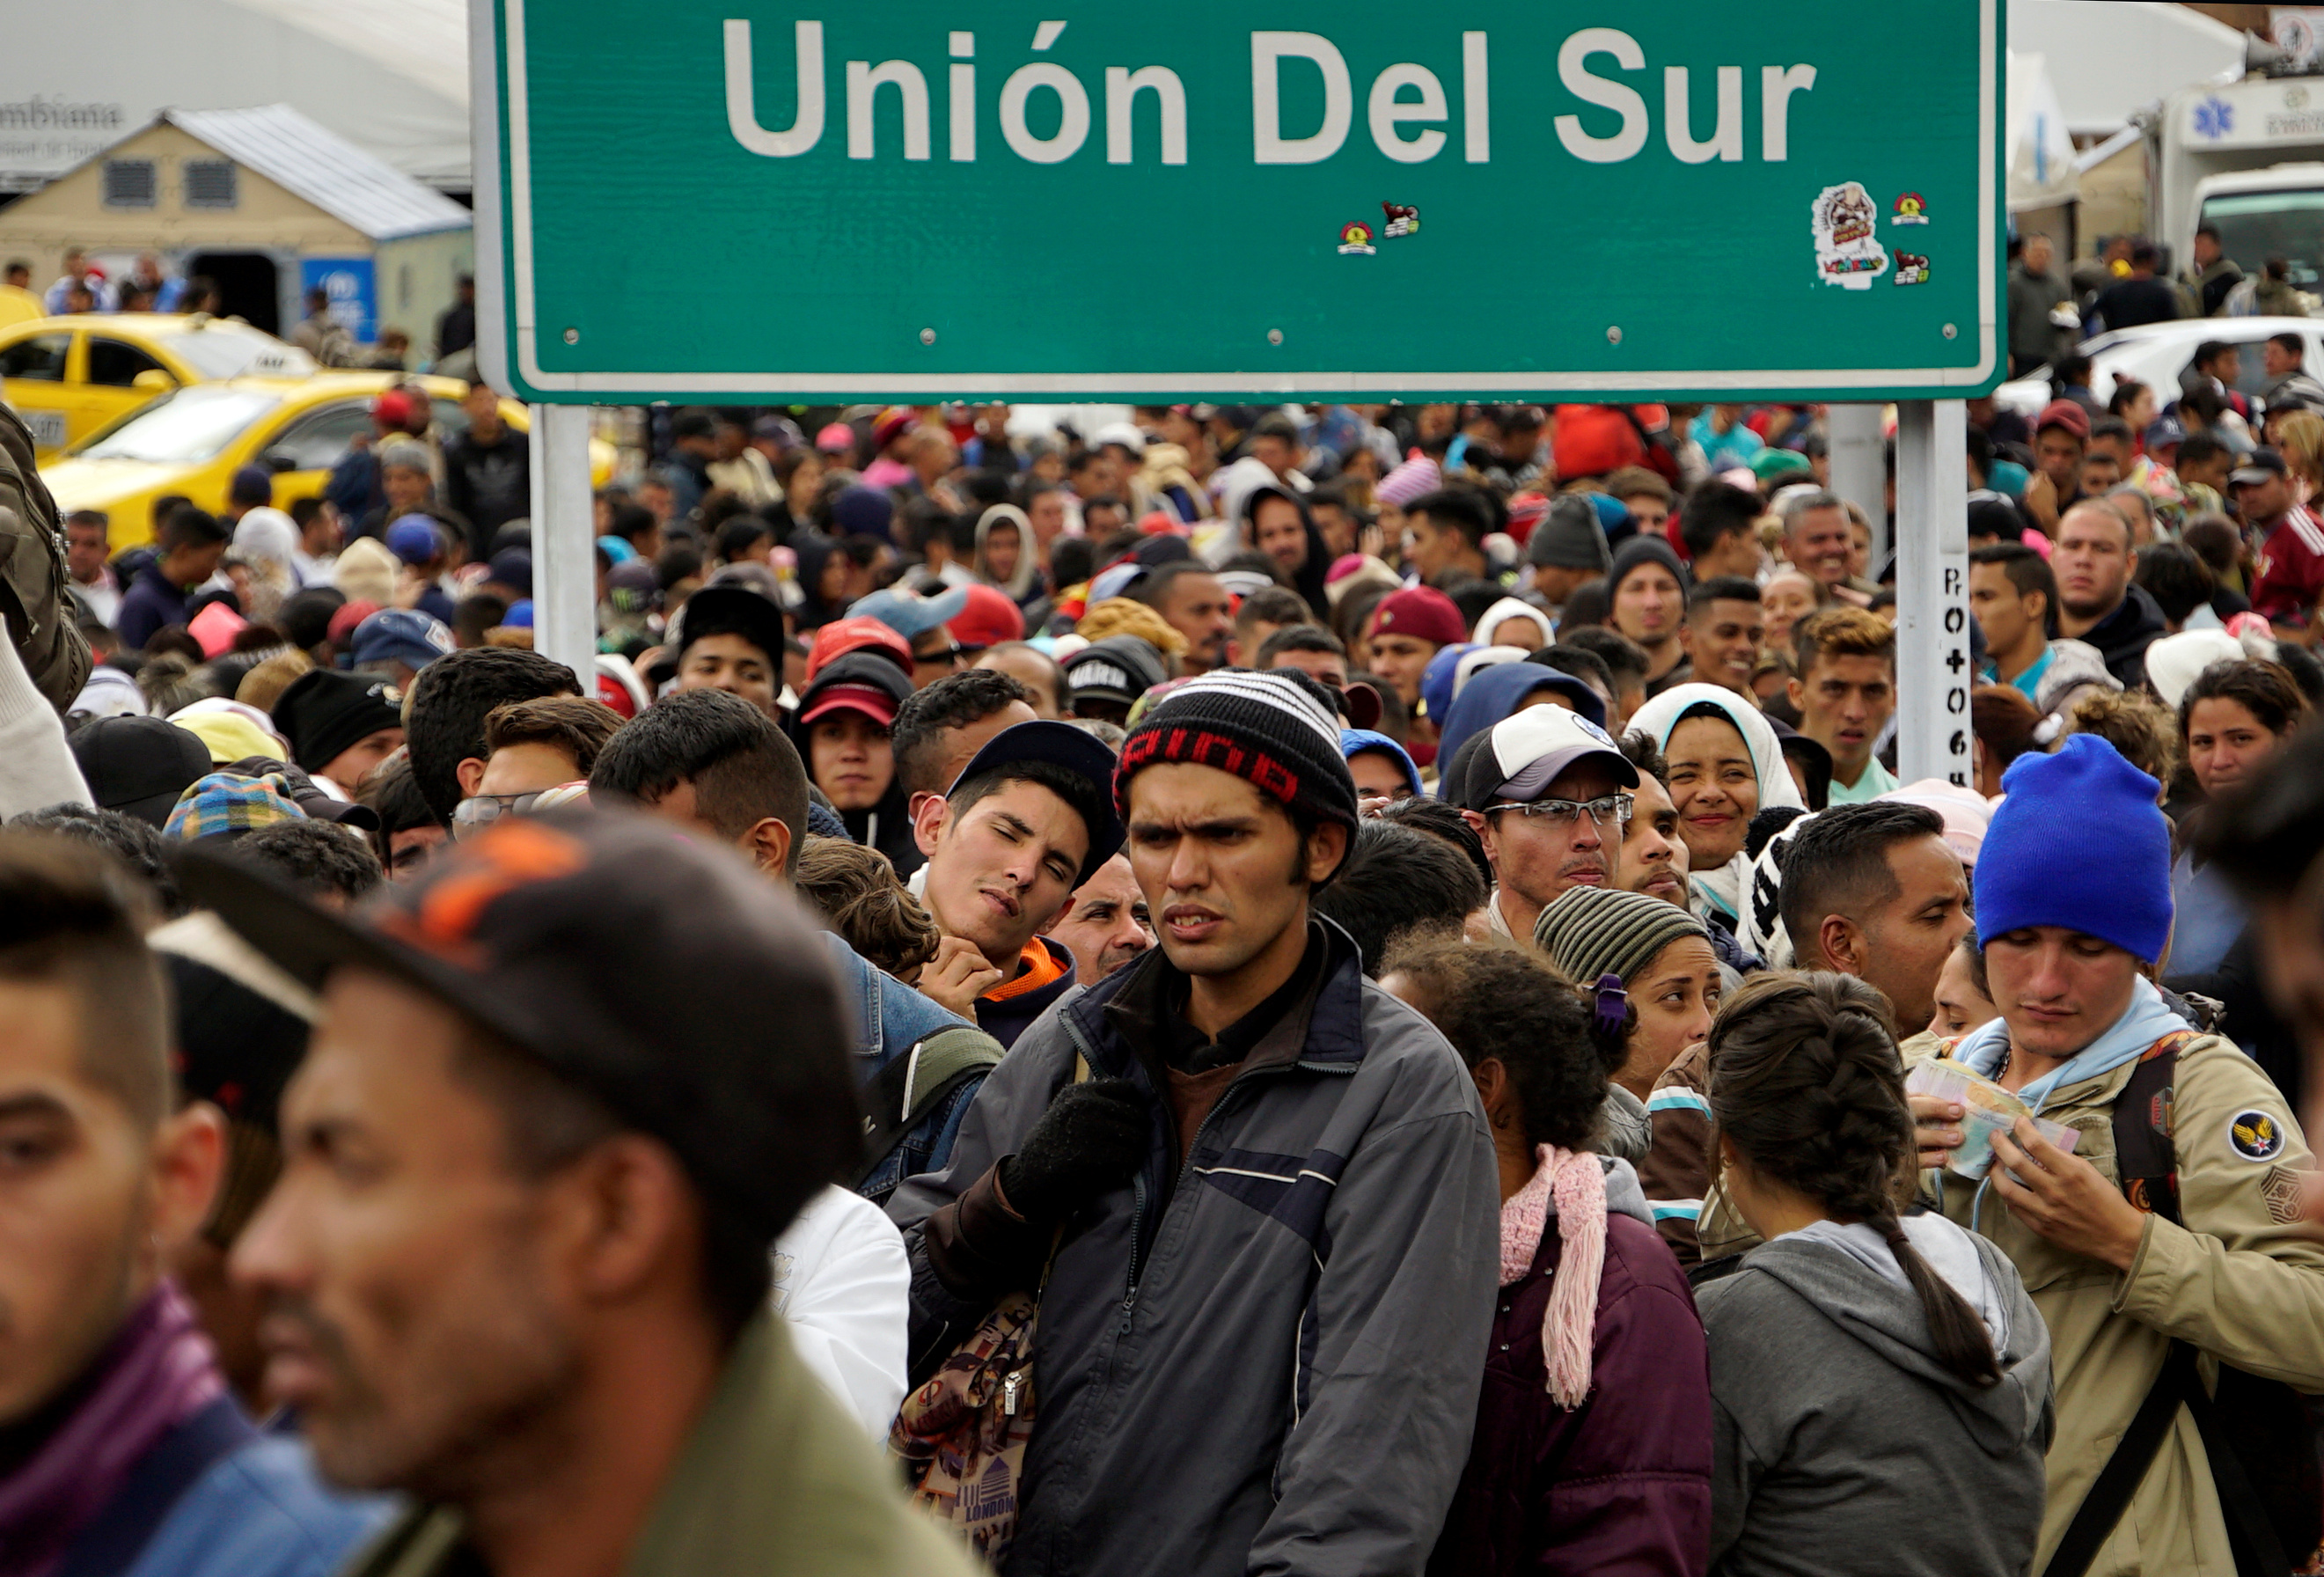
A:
(776, 1479)
(34, 603)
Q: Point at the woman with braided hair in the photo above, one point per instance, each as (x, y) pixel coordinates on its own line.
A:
(1880, 1382)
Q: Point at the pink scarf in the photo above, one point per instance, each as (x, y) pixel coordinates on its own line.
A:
(157, 1371)
(1577, 1182)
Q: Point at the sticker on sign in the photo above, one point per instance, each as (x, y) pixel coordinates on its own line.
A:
(911, 203)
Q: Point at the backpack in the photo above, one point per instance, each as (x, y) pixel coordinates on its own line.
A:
(2259, 1435)
(35, 600)
(911, 1086)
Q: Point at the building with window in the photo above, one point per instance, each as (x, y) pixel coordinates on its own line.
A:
(265, 204)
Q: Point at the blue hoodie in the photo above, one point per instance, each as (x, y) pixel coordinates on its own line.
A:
(1492, 693)
(1355, 740)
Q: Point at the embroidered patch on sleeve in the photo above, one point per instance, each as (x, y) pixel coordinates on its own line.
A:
(2256, 1135)
(2280, 1188)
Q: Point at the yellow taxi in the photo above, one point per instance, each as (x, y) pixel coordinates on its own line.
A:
(19, 305)
(191, 441)
(68, 376)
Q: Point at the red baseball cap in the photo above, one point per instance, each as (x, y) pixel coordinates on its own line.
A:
(989, 619)
(391, 408)
(2066, 414)
(857, 681)
(342, 623)
(869, 699)
(842, 636)
(1420, 611)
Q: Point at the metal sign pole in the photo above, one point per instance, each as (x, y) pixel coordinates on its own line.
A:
(1859, 474)
(564, 557)
(1933, 663)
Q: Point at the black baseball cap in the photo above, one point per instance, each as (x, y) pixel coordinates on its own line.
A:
(1077, 750)
(2259, 466)
(1120, 667)
(139, 765)
(731, 609)
(663, 977)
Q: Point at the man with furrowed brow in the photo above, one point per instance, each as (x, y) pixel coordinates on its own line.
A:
(1276, 1189)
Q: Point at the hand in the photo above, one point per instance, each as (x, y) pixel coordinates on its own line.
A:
(1933, 1130)
(2041, 502)
(1089, 1140)
(958, 975)
(1371, 805)
(2064, 1198)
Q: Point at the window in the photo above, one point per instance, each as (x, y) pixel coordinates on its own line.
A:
(209, 183)
(116, 364)
(192, 424)
(319, 438)
(129, 183)
(43, 356)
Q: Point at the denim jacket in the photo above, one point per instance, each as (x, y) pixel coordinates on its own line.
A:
(895, 1017)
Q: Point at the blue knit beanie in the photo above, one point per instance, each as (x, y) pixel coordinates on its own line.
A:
(2077, 842)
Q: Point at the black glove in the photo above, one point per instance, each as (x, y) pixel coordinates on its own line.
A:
(1089, 1140)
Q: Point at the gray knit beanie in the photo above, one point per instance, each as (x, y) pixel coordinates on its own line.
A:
(1587, 932)
(1568, 536)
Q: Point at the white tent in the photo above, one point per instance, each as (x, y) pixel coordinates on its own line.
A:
(2112, 58)
(389, 76)
(2042, 169)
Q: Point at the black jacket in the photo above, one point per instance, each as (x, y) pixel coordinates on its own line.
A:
(2123, 636)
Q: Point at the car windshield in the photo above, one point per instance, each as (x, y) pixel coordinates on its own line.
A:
(2255, 225)
(190, 425)
(222, 352)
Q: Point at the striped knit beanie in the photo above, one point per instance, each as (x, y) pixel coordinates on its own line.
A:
(1277, 728)
(1587, 932)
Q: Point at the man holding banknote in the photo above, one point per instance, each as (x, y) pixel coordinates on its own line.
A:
(2166, 1245)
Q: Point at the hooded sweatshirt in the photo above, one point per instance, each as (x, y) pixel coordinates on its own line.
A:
(1307, 580)
(1490, 621)
(1843, 1444)
(1024, 583)
(814, 550)
(1719, 894)
(1494, 693)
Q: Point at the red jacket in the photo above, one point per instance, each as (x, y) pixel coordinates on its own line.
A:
(1620, 1487)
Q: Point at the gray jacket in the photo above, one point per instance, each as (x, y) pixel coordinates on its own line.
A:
(1264, 1358)
(1842, 1446)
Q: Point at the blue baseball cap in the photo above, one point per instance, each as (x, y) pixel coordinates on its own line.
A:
(1436, 681)
(414, 539)
(907, 615)
(403, 635)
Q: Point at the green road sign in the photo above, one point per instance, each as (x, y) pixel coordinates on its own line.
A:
(746, 201)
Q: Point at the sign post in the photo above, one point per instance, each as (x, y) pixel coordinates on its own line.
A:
(564, 557)
(1860, 471)
(1933, 735)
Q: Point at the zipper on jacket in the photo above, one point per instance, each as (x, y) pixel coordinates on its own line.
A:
(1247, 1076)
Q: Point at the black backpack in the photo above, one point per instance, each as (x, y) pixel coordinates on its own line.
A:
(2260, 1436)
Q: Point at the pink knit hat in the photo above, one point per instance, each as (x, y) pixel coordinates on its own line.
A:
(1408, 481)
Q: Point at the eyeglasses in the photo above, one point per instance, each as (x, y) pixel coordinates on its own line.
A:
(479, 811)
(1613, 808)
(953, 656)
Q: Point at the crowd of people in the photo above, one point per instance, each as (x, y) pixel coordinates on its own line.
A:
(327, 330)
(1334, 991)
